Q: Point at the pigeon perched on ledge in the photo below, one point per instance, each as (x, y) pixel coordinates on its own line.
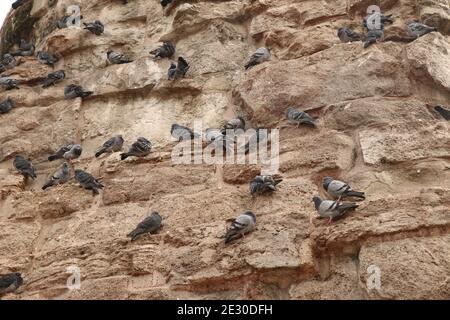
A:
(113, 144)
(338, 189)
(348, 35)
(9, 61)
(263, 184)
(332, 209)
(47, 58)
(261, 55)
(300, 117)
(95, 27)
(445, 113)
(8, 83)
(10, 282)
(416, 29)
(181, 133)
(68, 152)
(24, 167)
(67, 21)
(242, 225)
(234, 124)
(177, 71)
(167, 50)
(6, 106)
(117, 58)
(141, 148)
(25, 49)
(59, 177)
(87, 181)
(373, 36)
(73, 91)
(151, 224)
(53, 78)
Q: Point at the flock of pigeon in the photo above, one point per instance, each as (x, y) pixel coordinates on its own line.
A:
(142, 147)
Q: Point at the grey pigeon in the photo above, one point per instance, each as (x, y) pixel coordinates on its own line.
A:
(332, 209)
(47, 58)
(260, 135)
(242, 225)
(73, 91)
(6, 106)
(87, 181)
(300, 117)
(53, 78)
(141, 148)
(212, 134)
(338, 189)
(416, 29)
(10, 282)
(9, 61)
(177, 71)
(445, 113)
(95, 27)
(372, 37)
(151, 224)
(165, 3)
(263, 184)
(167, 50)
(68, 152)
(376, 20)
(59, 177)
(24, 167)
(182, 133)
(8, 83)
(2, 68)
(67, 21)
(113, 144)
(260, 55)
(117, 58)
(234, 124)
(346, 34)
(17, 4)
(25, 49)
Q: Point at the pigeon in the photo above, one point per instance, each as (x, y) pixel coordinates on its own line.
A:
(377, 20)
(67, 21)
(112, 145)
(10, 282)
(25, 49)
(177, 71)
(167, 50)
(24, 167)
(17, 4)
(234, 124)
(445, 113)
(243, 224)
(59, 177)
(263, 184)
(212, 134)
(332, 209)
(348, 35)
(149, 225)
(6, 106)
(372, 37)
(8, 83)
(165, 3)
(87, 181)
(73, 91)
(254, 140)
(141, 148)
(53, 78)
(47, 58)
(68, 152)
(182, 133)
(2, 68)
(9, 61)
(95, 27)
(300, 117)
(339, 189)
(416, 29)
(117, 58)
(260, 55)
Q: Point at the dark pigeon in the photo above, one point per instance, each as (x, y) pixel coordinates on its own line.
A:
(53, 78)
(242, 225)
(87, 181)
(141, 148)
(24, 167)
(151, 224)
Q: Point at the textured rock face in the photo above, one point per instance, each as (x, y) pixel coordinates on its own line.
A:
(376, 131)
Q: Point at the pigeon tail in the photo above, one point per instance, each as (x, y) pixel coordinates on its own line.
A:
(52, 158)
(123, 156)
(356, 194)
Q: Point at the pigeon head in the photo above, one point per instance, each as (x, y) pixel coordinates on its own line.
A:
(18, 275)
(77, 149)
(109, 52)
(317, 202)
(326, 182)
(250, 214)
(174, 126)
(154, 213)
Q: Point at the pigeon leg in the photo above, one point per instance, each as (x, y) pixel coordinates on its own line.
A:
(330, 220)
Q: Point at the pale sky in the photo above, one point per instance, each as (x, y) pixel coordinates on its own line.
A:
(5, 6)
